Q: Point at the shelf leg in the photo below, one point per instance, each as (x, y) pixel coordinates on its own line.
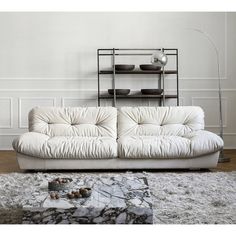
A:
(98, 78)
(163, 78)
(114, 77)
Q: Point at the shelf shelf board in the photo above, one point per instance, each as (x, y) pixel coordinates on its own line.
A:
(138, 72)
(133, 96)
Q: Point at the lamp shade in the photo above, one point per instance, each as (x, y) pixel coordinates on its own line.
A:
(159, 58)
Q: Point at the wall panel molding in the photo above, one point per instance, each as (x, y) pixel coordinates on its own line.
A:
(226, 46)
(82, 100)
(47, 78)
(10, 126)
(214, 98)
(95, 90)
(20, 101)
(84, 78)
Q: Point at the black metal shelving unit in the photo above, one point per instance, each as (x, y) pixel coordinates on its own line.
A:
(115, 52)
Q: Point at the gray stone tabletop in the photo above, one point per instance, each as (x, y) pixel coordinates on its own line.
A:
(114, 200)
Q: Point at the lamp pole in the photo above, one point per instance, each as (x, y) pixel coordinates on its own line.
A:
(222, 158)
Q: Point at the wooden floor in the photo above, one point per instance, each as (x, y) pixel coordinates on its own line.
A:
(8, 162)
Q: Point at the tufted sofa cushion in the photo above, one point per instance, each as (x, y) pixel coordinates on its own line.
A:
(164, 132)
(74, 121)
(155, 121)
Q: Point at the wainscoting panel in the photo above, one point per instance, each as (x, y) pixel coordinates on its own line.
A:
(6, 141)
(210, 105)
(6, 117)
(26, 104)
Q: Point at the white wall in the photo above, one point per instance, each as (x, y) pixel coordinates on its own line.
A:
(50, 59)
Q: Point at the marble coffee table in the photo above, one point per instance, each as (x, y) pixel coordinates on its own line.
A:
(114, 200)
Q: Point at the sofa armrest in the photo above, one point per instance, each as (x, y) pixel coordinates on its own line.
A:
(28, 141)
(205, 140)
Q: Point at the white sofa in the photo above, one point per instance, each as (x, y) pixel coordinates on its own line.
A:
(107, 138)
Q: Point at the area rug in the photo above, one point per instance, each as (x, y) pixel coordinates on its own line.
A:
(178, 198)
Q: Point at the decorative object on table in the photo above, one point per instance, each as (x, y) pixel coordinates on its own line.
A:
(159, 58)
(54, 196)
(70, 195)
(59, 184)
(119, 91)
(82, 192)
(222, 158)
(152, 91)
(149, 67)
(85, 192)
(124, 67)
(74, 194)
(77, 194)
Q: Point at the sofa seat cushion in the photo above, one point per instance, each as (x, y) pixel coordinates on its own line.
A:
(43, 146)
(194, 144)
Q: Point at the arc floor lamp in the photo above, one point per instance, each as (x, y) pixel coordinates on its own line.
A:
(222, 158)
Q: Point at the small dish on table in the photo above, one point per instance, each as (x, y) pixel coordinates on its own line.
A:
(59, 184)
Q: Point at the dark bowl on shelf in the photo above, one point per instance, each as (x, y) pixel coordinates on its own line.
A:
(124, 67)
(149, 67)
(119, 91)
(152, 91)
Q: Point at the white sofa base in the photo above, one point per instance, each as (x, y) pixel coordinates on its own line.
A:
(33, 163)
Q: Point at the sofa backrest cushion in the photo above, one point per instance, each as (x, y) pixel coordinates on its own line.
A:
(153, 121)
(74, 121)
